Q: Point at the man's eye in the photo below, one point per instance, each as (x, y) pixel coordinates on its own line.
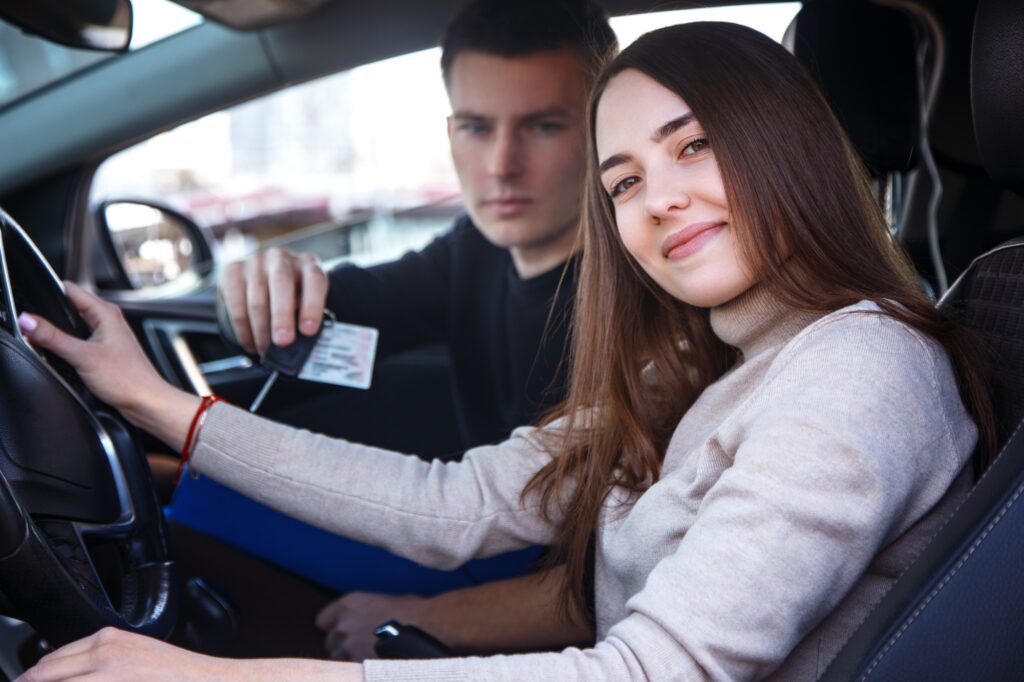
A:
(623, 185)
(548, 126)
(474, 128)
(696, 146)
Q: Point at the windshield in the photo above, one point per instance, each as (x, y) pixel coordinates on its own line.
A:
(28, 63)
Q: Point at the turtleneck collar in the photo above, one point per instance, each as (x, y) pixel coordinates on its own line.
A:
(757, 320)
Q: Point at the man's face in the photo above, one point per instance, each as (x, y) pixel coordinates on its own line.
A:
(518, 143)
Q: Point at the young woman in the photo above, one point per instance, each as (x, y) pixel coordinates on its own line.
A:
(767, 417)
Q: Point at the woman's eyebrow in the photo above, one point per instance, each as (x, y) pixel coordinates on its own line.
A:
(612, 161)
(672, 126)
(657, 136)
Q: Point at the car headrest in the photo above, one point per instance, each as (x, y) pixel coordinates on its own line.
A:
(997, 90)
(864, 59)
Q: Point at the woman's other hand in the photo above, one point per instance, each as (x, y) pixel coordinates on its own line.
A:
(113, 655)
(114, 366)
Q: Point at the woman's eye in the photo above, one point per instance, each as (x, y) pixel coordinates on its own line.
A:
(695, 146)
(623, 185)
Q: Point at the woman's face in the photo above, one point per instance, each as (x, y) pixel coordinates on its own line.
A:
(670, 206)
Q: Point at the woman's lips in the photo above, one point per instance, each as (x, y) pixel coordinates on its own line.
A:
(690, 239)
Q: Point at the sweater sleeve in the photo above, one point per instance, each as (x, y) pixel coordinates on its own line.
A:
(840, 452)
(440, 514)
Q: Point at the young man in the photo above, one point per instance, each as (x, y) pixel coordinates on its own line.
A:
(517, 76)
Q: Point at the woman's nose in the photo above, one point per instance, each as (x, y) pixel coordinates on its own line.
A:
(664, 197)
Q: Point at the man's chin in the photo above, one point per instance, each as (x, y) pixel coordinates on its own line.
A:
(506, 232)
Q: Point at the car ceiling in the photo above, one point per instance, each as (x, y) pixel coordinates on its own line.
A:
(209, 67)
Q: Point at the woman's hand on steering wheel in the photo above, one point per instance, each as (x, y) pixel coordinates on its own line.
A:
(114, 367)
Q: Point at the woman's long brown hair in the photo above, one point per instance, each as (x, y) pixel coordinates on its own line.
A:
(808, 226)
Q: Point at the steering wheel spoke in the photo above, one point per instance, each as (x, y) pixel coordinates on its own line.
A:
(67, 544)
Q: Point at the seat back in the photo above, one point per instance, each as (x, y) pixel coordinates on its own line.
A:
(957, 612)
(864, 59)
(989, 299)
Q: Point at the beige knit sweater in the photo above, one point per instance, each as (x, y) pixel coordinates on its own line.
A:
(792, 494)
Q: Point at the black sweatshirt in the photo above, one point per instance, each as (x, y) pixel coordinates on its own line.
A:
(461, 290)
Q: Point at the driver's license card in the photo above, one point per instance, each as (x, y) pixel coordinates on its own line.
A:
(343, 355)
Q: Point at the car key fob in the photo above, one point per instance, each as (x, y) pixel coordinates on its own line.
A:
(395, 640)
(288, 360)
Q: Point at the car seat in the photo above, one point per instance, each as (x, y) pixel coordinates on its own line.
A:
(878, 67)
(958, 611)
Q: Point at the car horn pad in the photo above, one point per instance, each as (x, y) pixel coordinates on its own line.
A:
(73, 478)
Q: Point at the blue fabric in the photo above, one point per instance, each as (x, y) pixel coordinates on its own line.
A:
(330, 560)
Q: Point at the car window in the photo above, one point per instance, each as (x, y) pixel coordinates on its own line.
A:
(354, 166)
(28, 63)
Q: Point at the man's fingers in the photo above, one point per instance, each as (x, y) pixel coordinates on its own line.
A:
(261, 297)
(328, 615)
(314, 294)
(335, 645)
(233, 294)
(281, 278)
(257, 302)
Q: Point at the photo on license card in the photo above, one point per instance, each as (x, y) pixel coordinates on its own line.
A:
(343, 356)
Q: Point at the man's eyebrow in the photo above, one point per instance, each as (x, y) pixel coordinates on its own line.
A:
(614, 160)
(469, 115)
(672, 126)
(551, 112)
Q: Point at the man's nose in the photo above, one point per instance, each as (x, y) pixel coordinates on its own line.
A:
(506, 155)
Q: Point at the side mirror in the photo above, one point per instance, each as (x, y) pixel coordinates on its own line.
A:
(86, 24)
(149, 245)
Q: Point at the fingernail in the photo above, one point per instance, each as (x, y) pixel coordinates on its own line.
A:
(308, 327)
(27, 323)
(281, 336)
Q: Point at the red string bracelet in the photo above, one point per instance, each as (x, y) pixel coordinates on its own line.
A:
(186, 451)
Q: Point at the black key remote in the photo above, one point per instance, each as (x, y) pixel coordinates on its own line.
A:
(288, 360)
(395, 640)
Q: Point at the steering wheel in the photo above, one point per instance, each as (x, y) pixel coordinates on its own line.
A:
(83, 542)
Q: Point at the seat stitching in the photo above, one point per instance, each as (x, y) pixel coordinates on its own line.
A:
(938, 588)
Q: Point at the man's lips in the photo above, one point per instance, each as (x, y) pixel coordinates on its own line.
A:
(690, 239)
(507, 206)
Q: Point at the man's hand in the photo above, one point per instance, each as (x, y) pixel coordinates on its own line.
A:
(261, 295)
(505, 616)
(350, 621)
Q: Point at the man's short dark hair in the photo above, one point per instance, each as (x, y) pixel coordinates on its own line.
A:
(513, 28)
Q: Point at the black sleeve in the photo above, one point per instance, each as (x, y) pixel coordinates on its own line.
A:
(407, 300)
